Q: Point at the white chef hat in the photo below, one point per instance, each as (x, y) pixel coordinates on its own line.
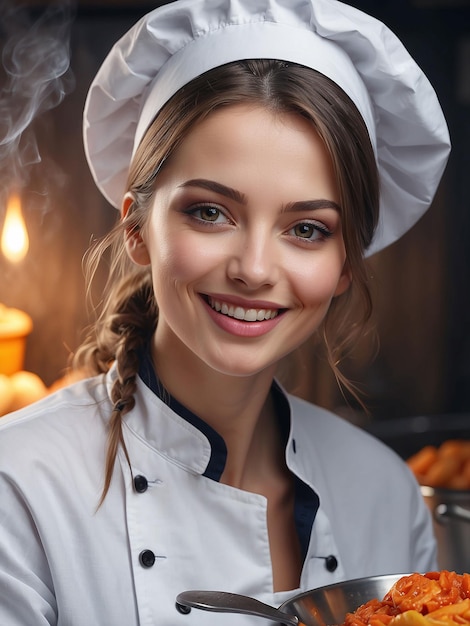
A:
(179, 41)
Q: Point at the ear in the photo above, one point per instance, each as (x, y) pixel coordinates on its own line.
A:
(136, 247)
(344, 281)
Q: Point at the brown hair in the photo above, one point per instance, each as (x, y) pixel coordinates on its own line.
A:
(129, 314)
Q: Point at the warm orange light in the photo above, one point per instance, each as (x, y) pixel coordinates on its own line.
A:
(15, 240)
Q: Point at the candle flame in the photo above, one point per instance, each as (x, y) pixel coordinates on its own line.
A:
(15, 240)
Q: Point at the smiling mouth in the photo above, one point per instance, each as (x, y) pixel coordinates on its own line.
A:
(240, 313)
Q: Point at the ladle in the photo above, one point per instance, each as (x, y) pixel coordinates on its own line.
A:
(225, 602)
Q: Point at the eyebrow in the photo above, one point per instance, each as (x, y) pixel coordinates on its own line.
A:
(311, 205)
(211, 185)
(237, 196)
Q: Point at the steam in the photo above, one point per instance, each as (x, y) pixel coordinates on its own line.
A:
(35, 78)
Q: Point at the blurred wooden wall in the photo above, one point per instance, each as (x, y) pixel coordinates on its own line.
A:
(421, 283)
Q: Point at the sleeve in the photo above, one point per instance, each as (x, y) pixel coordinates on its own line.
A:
(26, 586)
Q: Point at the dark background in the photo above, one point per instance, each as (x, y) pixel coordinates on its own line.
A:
(421, 283)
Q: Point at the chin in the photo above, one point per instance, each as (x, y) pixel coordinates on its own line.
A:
(240, 368)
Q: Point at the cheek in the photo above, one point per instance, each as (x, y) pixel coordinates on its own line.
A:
(316, 284)
(182, 258)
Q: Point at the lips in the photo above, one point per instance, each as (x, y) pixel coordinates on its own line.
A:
(240, 313)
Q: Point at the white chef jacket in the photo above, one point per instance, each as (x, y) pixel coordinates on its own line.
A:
(66, 562)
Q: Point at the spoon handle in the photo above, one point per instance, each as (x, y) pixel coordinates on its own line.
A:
(224, 602)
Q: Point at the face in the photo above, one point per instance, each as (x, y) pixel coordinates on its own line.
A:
(244, 241)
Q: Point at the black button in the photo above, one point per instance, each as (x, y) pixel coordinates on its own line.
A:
(140, 483)
(331, 563)
(147, 558)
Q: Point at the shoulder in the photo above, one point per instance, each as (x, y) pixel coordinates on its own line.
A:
(308, 418)
(60, 421)
(338, 443)
(74, 397)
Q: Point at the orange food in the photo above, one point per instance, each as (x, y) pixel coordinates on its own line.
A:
(432, 599)
(446, 466)
(423, 460)
(451, 615)
(466, 470)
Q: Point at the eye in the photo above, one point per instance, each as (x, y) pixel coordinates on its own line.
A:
(310, 231)
(208, 213)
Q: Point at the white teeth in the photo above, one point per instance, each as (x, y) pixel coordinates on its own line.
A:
(239, 313)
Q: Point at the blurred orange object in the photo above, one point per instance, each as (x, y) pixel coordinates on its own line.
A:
(446, 466)
(15, 326)
(27, 388)
(6, 394)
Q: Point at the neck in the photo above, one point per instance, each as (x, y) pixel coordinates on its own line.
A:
(240, 409)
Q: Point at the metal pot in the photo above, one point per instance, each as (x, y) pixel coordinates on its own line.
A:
(450, 508)
(451, 515)
(320, 607)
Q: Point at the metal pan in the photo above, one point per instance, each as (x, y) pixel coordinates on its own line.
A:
(325, 606)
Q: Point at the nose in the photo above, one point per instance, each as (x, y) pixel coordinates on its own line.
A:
(254, 262)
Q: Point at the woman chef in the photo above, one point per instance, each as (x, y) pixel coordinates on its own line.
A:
(258, 150)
